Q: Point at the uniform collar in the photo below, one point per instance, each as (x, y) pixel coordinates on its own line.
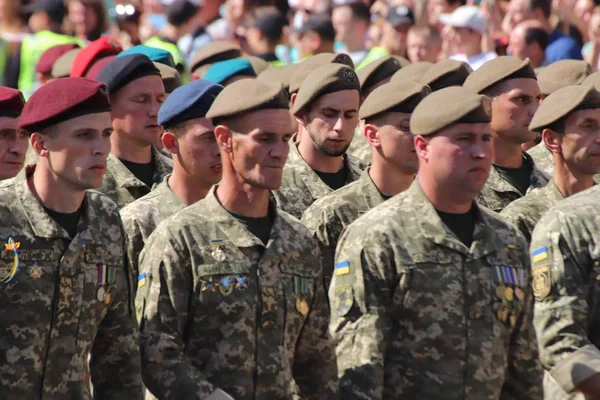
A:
(537, 180)
(125, 178)
(372, 195)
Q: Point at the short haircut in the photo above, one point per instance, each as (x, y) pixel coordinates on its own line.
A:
(544, 5)
(461, 2)
(557, 126)
(359, 10)
(179, 129)
(537, 35)
(431, 32)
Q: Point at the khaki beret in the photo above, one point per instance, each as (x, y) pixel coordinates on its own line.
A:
(258, 64)
(247, 95)
(376, 71)
(62, 66)
(450, 106)
(403, 61)
(593, 80)
(310, 64)
(563, 73)
(327, 78)
(282, 74)
(213, 52)
(412, 72)
(498, 70)
(170, 77)
(446, 73)
(561, 103)
(393, 96)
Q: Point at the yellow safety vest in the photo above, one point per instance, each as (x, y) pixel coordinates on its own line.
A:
(373, 54)
(157, 42)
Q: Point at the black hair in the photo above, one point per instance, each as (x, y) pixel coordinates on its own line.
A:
(537, 35)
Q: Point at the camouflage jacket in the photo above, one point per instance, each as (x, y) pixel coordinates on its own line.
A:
(360, 147)
(331, 214)
(220, 312)
(565, 254)
(301, 185)
(141, 217)
(498, 192)
(66, 315)
(418, 315)
(123, 187)
(543, 158)
(525, 212)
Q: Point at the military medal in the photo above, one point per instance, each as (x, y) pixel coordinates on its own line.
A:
(12, 268)
(100, 293)
(513, 320)
(225, 286)
(107, 298)
(508, 294)
(519, 293)
(217, 253)
(208, 286)
(302, 306)
(241, 282)
(512, 253)
(36, 272)
(500, 291)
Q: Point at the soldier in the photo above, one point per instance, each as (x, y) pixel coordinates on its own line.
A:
(569, 122)
(190, 138)
(515, 94)
(413, 72)
(230, 299)
(67, 317)
(13, 144)
(135, 166)
(446, 73)
(326, 109)
(564, 254)
(419, 307)
(387, 114)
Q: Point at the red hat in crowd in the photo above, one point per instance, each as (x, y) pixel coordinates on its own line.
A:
(49, 57)
(98, 49)
(11, 102)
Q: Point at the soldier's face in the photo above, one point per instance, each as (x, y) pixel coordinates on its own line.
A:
(458, 159)
(13, 146)
(397, 146)
(259, 152)
(331, 122)
(135, 109)
(513, 109)
(75, 151)
(580, 143)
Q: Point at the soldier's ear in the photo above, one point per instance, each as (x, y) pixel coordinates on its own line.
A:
(169, 140)
(552, 140)
(372, 134)
(37, 144)
(421, 147)
(223, 136)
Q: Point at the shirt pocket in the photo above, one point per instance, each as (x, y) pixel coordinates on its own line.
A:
(299, 280)
(103, 277)
(28, 273)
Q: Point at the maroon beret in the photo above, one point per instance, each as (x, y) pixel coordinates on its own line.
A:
(98, 66)
(11, 102)
(61, 100)
(49, 57)
(103, 47)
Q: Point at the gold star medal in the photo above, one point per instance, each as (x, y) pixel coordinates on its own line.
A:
(107, 297)
(217, 252)
(302, 306)
(36, 272)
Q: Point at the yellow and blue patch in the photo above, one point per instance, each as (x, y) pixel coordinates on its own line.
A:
(142, 280)
(342, 268)
(539, 254)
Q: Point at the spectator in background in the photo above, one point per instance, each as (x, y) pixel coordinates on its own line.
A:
(465, 29)
(398, 21)
(560, 46)
(13, 27)
(88, 19)
(317, 35)
(424, 43)
(128, 17)
(435, 8)
(529, 40)
(591, 50)
(351, 22)
(208, 26)
(265, 32)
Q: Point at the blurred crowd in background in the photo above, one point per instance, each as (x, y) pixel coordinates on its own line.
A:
(286, 31)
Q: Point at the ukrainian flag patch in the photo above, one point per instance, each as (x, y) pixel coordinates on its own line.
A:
(342, 268)
(540, 254)
(142, 280)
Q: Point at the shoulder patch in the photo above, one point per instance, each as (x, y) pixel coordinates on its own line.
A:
(342, 268)
(539, 254)
(541, 283)
(343, 299)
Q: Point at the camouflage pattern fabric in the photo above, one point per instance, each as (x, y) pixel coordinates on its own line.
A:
(360, 147)
(543, 158)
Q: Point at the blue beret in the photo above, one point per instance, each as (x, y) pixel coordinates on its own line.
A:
(192, 100)
(123, 70)
(153, 53)
(221, 71)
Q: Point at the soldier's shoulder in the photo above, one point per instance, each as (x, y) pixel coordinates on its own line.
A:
(140, 207)
(293, 224)
(356, 162)
(532, 202)
(101, 200)
(505, 230)
(331, 202)
(580, 209)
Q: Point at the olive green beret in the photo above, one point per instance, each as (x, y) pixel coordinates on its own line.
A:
(376, 71)
(170, 77)
(446, 73)
(213, 52)
(593, 80)
(258, 64)
(327, 78)
(403, 61)
(247, 95)
(281, 74)
(393, 96)
(498, 70)
(62, 66)
(563, 73)
(310, 64)
(450, 106)
(561, 103)
(412, 72)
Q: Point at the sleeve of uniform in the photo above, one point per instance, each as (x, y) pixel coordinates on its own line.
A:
(164, 288)
(326, 229)
(562, 269)
(515, 217)
(115, 364)
(315, 369)
(360, 300)
(135, 244)
(524, 373)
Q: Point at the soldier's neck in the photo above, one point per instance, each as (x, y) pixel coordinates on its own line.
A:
(507, 154)
(53, 192)
(316, 159)
(570, 182)
(186, 187)
(389, 179)
(129, 149)
(241, 198)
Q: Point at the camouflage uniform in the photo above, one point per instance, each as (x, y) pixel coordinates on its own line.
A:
(301, 185)
(66, 316)
(218, 309)
(123, 187)
(331, 214)
(525, 212)
(566, 271)
(498, 192)
(418, 315)
(543, 158)
(360, 147)
(141, 217)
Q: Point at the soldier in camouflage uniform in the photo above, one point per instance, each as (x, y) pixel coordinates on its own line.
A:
(566, 274)
(231, 302)
(387, 114)
(135, 166)
(326, 109)
(512, 86)
(67, 316)
(569, 122)
(196, 164)
(13, 144)
(430, 297)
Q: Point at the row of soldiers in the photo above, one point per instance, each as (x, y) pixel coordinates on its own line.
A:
(252, 257)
